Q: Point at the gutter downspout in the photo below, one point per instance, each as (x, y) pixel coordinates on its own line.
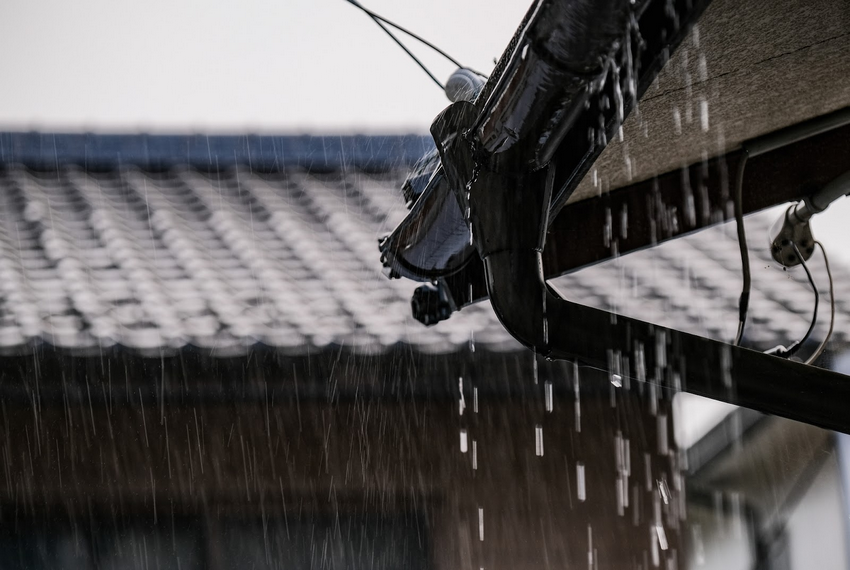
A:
(509, 217)
(499, 170)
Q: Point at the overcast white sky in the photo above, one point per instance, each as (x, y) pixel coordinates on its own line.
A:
(253, 65)
(285, 66)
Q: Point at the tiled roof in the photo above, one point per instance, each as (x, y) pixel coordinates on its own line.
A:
(221, 261)
(238, 256)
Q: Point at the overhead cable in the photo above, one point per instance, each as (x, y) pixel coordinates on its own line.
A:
(380, 20)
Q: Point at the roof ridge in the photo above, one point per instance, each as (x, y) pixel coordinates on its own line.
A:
(213, 152)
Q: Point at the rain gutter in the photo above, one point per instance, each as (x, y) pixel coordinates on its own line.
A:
(503, 175)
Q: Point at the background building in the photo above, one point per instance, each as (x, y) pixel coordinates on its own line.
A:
(204, 367)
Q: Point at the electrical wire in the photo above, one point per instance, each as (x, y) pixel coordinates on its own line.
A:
(377, 16)
(822, 345)
(744, 300)
(792, 350)
(380, 20)
(408, 52)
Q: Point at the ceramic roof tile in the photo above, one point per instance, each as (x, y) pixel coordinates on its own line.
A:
(151, 260)
(229, 258)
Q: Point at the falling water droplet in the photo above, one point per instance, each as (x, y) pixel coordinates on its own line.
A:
(624, 220)
(480, 524)
(548, 391)
(653, 538)
(577, 397)
(640, 362)
(662, 537)
(661, 349)
(614, 373)
(663, 439)
(534, 355)
(581, 488)
(538, 440)
(726, 365)
(677, 121)
(464, 441)
(663, 491)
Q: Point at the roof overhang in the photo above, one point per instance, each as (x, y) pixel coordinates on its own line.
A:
(670, 174)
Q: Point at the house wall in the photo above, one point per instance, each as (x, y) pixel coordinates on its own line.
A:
(498, 505)
(816, 528)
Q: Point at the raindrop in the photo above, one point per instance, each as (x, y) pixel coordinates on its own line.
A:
(663, 491)
(481, 524)
(464, 441)
(661, 349)
(653, 399)
(726, 365)
(624, 220)
(614, 373)
(663, 439)
(474, 455)
(461, 401)
(656, 556)
(619, 452)
(538, 440)
(548, 392)
(640, 361)
(677, 121)
(621, 494)
(534, 355)
(578, 397)
(662, 537)
(581, 488)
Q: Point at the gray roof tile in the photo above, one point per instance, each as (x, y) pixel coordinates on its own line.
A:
(224, 260)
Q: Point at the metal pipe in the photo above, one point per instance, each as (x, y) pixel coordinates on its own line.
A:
(797, 133)
(641, 352)
(820, 200)
(565, 47)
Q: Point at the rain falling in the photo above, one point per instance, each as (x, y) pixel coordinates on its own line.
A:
(587, 313)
